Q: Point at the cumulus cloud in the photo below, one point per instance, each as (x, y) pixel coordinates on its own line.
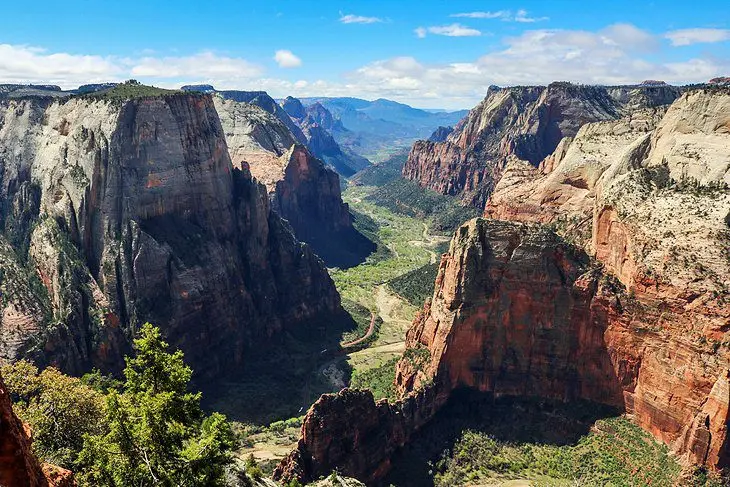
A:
(500, 14)
(453, 30)
(286, 59)
(686, 37)
(359, 19)
(26, 64)
(616, 54)
(205, 64)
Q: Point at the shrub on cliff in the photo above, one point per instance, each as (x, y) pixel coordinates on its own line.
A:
(158, 434)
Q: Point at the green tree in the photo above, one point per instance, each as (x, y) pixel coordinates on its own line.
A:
(158, 434)
(60, 410)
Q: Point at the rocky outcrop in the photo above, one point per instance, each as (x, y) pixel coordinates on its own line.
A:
(264, 101)
(18, 465)
(525, 123)
(517, 311)
(255, 138)
(441, 134)
(140, 216)
(308, 196)
(353, 434)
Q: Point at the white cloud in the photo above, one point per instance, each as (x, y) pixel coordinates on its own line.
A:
(205, 64)
(686, 37)
(25, 64)
(358, 19)
(521, 16)
(453, 30)
(500, 14)
(287, 59)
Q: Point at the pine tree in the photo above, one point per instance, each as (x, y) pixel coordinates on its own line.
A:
(158, 434)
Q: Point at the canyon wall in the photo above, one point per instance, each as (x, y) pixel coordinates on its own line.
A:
(353, 434)
(120, 212)
(610, 284)
(525, 123)
(302, 189)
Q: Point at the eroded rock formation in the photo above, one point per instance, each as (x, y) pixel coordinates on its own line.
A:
(302, 189)
(517, 311)
(611, 284)
(526, 123)
(352, 433)
(123, 212)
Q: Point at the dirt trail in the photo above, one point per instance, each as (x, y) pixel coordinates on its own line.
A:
(367, 335)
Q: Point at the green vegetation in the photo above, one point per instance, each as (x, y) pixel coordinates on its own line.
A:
(60, 409)
(616, 452)
(415, 286)
(379, 174)
(361, 315)
(131, 90)
(395, 256)
(149, 431)
(442, 213)
(157, 432)
(378, 379)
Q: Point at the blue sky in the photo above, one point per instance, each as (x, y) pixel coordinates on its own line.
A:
(429, 53)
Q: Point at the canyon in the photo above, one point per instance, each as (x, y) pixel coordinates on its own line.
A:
(601, 273)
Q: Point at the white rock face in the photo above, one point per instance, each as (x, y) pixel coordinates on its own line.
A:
(692, 139)
(255, 137)
(652, 183)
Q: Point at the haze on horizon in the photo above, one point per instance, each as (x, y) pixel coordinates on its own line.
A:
(429, 54)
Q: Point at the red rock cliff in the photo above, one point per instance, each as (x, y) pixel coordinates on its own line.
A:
(518, 312)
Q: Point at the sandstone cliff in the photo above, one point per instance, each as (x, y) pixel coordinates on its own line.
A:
(18, 465)
(120, 212)
(632, 311)
(353, 434)
(526, 123)
(302, 189)
(517, 311)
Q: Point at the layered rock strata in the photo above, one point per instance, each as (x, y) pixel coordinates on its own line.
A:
(526, 123)
(124, 212)
(302, 189)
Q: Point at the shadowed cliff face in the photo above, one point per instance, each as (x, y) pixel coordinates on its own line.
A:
(143, 217)
(525, 123)
(308, 197)
(302, 189)
(517, 312)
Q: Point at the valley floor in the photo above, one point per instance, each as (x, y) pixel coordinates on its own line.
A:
(365, 356)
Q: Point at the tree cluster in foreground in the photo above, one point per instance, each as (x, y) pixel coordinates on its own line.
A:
(148, 429)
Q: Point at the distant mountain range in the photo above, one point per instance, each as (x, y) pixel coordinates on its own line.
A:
(379, 128)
